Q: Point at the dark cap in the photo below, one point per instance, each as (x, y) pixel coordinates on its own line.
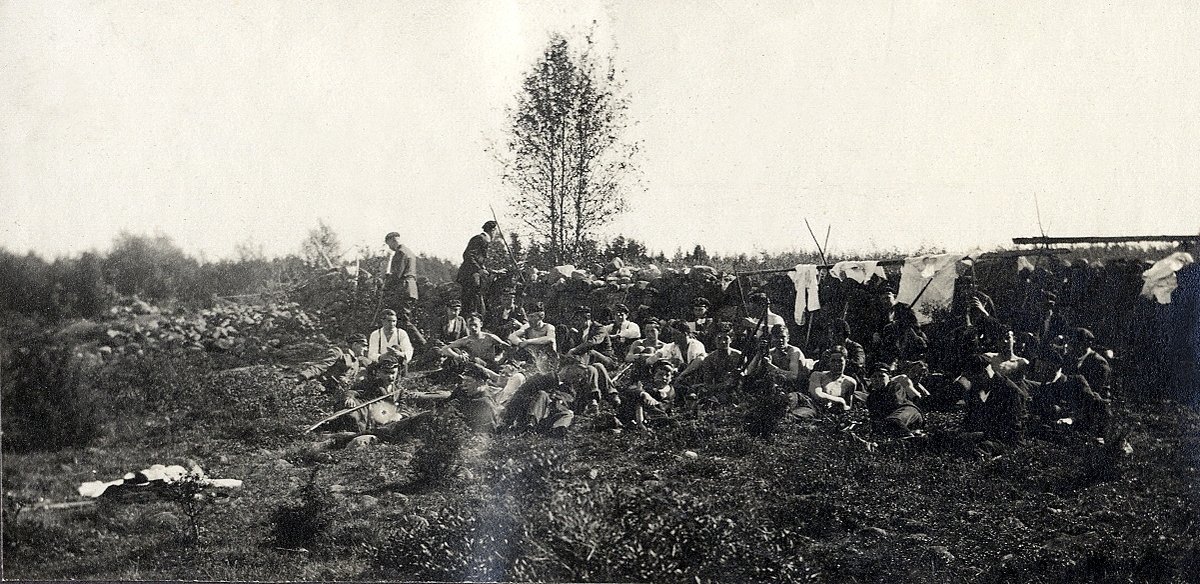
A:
(536, 307)
(388, 312)
(881, 366)
(456, 303)
(582, 310)
(1083, 336)
(700, 301)
(621, 308)
(490, 225)
(392, 235)
(724, 328)
(357, 338)
(662, 365)
(758, 298)
(388, 361)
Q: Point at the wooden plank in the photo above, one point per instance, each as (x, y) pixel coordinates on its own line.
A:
(996, 255)
(1120, 239)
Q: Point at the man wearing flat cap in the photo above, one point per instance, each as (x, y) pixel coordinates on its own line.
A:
(340, 368)
(400, 277)
(700, 323)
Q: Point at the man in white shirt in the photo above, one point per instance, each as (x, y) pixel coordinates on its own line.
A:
(390, 339)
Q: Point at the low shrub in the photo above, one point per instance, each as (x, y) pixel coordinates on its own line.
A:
(50, 400)
(440, 456)
(306, 524)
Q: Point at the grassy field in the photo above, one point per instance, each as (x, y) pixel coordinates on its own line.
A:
(702, 501)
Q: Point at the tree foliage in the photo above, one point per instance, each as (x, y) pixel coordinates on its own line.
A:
(566, 160)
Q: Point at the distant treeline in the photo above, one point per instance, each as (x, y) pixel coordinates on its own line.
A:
(154, 269)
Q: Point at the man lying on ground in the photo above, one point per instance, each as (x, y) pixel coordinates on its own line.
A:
(341, 368)
(547, 402)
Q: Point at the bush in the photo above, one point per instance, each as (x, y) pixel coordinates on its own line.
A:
(304, 525)
(50, 401)
(443, 438)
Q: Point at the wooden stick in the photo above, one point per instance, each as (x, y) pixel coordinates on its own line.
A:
(818, 243)
(507, 250)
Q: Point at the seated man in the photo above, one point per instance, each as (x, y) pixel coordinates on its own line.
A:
(902, 339)
(700, 323)
(856, 356)
(892, 403)
(588, 341)
(682, 349)
(478, 353)
(780, 364)
(652, 401)
(1082, 359)
(506, 317)
(1005, 361)
(390, 339)
(535, 340)
(452, 326)
(758, 305)
(995, 408)
(341, 368)
(379, 381)
(642, 353)
(832, 390)
(623, 331)
(721, 371)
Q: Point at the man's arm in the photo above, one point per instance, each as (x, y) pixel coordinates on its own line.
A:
(454, 349)
(817, 390)
(373, 347)
(405, 347)
(313, 370)
(518, 336)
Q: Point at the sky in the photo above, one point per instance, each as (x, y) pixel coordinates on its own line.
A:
(895, 125)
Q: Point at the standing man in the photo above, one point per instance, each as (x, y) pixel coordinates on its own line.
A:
(400, 278)
(473, 274)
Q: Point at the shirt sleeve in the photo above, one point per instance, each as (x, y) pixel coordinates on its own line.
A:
(374, 347)
(406, 347)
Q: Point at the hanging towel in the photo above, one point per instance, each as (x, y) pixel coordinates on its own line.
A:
(1160, 278)
(942, 269)
(804, 276)
(860, 272)
(1023, 263)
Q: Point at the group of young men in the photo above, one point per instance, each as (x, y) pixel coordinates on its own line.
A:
(511, 369)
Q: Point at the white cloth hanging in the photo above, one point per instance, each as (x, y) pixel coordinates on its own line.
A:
(935, 274)
(1160, 279)
(860, 272)
(804, 276)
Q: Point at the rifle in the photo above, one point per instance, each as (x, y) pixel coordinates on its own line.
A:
(507, 250)
(348, 410)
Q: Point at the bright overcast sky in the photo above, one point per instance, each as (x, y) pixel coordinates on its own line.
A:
(901, 125)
